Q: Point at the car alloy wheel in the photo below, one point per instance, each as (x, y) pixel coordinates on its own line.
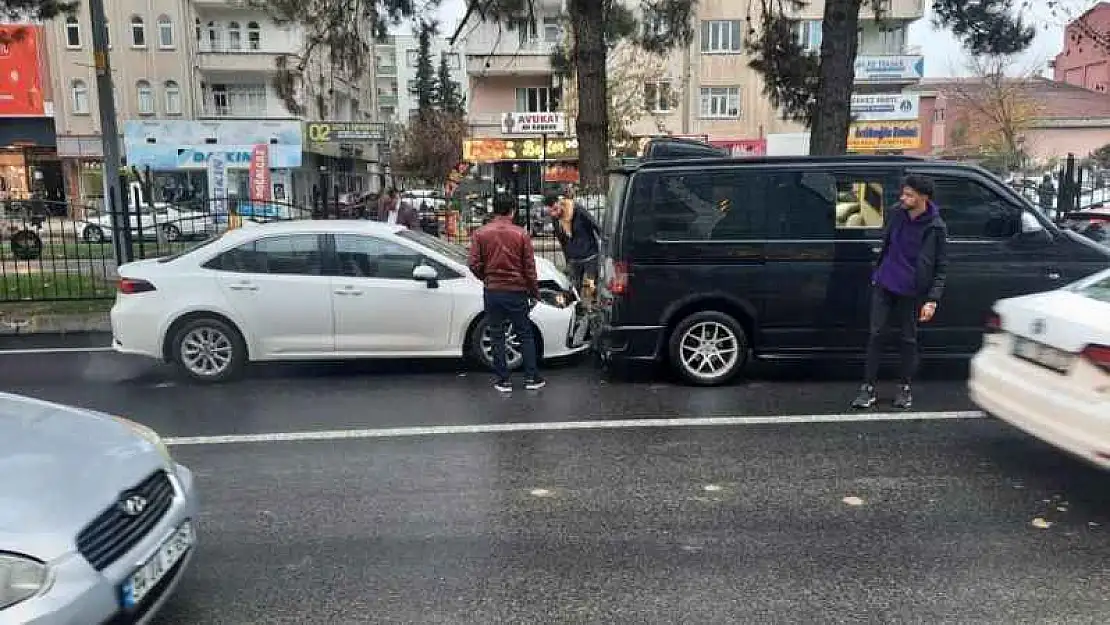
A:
(171, 232)
(514, 354)
(207, 352)
(93, 234)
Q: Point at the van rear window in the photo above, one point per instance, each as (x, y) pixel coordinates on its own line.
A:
(617, 184)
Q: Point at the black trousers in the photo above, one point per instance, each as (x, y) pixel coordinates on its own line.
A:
(901, 311)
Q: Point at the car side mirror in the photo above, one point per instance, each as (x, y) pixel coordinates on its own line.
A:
(426, 273)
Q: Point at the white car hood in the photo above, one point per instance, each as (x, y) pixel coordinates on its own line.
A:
(546, 270)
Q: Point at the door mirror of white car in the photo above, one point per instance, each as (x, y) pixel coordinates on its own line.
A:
(426, 273)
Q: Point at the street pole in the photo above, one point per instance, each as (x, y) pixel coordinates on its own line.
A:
(109, 132)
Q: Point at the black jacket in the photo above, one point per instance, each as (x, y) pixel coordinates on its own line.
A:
(931, 274)
(584, 242)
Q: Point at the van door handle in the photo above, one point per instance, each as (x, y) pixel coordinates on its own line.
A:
(876, 250)
(243, 286)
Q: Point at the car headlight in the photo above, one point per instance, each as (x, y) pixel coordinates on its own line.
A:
(558, 299)
(20, 578)
(151, 437)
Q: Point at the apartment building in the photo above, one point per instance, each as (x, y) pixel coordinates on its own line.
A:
(395, 87)
(1085, 59)
(191, 75)
(706, 90)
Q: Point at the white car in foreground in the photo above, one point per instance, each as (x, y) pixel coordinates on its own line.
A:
(323, 290)
(1045, 367)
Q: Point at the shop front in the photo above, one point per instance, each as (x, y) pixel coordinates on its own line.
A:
(524, 166)
(343, 163)
(180, 154)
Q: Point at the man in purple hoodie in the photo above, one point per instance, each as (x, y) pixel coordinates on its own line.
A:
(907, 284)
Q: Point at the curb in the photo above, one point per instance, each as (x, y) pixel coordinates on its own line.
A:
(55, 324)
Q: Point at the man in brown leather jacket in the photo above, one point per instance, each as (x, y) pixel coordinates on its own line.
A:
(502, 257)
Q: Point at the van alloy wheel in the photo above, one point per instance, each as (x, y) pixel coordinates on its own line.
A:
(709, 349)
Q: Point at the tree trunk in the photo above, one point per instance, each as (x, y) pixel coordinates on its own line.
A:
(587, 18)
(839, 45)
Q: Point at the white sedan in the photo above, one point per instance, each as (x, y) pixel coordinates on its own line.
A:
(1045, 367)
(323, 290)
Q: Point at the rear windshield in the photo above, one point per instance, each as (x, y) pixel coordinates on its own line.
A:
(1099, 289)
(617, 184)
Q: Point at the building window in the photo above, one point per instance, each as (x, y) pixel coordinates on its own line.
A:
(657, 97)
(254, 36)
(720, 102)
(138, 32)
(213, 36)
(722, 36)
(387, 113)
(234, 36)
(80, 97)
(809, 34)
(200, 38)
(73, 33)
(108, 31)
(238, 100)
(453, 61)
(538, 99)
(146, 97)
(938, 116)
(165, 32)
(412, 87)
(552, 30)
(526, 30)
(173, 98)
(412, 57)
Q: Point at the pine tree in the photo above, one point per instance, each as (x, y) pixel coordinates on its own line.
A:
(448, 92)
(426, 86)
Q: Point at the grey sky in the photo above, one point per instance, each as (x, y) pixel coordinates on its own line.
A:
(943, 54)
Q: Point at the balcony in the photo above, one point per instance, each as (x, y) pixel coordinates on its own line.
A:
(896, 10)
(385, 68)
(889, 69)
(387, 99)
(508, 65)
(244, 58)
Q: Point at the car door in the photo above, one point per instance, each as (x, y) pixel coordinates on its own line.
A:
(988, 260)
(825, 228)
(380, 309)
(277, 287)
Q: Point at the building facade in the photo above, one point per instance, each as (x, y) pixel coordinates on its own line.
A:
(181, 62)
(395, 87)
(1085, 59)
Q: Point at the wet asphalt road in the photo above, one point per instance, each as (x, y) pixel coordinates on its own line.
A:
(891, 522)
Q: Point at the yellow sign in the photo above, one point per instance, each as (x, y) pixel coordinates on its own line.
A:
(344, 132)
(875, 136)
(493, 150)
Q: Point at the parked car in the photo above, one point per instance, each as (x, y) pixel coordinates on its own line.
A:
(1093, 223)
(708, 264)
(323, 290)
(1045, 367)
(171, 222)
(96, 518)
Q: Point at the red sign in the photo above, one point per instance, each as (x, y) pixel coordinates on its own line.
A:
(259, 173)
(566, 173)
(742, 147)
(20, 82)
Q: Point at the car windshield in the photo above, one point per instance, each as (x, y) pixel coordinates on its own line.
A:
(456, 253)
(1097, 288)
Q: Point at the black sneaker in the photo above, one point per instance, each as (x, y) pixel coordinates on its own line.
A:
(535, 384)
(866, 397)
(904, 400)
(503, 386)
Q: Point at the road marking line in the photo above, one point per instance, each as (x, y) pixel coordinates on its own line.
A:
(53, 350)
(500, 428)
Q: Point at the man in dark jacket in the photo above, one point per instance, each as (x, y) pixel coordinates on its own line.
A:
(502, 257)
(577, 233)
(907, 283)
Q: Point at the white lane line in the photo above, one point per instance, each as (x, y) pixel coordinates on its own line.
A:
(53, 350)
(499, 428)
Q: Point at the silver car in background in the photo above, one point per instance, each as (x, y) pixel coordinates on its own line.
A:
(96, 519)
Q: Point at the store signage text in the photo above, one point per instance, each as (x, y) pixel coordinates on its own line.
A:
(533, 123)
(493, 150)
(870, 136)
(886, 107)
(889, 68)
(344, 132)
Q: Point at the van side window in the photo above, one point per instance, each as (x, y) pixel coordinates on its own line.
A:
(972, 211)
(826, 205)
(720, 205)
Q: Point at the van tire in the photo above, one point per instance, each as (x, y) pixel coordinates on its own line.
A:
(708, 338)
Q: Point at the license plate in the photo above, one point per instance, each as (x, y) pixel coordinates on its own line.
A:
(1048, 357)
(169, 553)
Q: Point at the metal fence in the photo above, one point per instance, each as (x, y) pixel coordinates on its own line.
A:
(57, 251)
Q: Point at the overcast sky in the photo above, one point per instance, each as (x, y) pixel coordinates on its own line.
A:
(943, 54)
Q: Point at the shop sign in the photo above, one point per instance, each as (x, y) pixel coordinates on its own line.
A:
(259, 173)
(874, 136)
(533, 123)
(566, 173)
(217, 186)
(890, 68)
(20, 81)
(738, 148)
(493, 150)
(344, 132)
(882, 107)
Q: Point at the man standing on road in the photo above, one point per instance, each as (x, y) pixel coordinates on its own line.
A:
(907, 284)
(577, 233)
(502, 257)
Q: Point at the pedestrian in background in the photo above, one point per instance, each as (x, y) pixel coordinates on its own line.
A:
(502, 257)
(906, 285)
(577, 233)
(387, 203)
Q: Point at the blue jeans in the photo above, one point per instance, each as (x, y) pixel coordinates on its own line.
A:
(511, 307)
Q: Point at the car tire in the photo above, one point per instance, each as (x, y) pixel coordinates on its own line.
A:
(92, 234)
(172, 233)
(224, 359)
(26, 245)
(480, 351)
(708, 338)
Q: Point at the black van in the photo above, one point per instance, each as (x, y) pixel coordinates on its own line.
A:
(708, 263)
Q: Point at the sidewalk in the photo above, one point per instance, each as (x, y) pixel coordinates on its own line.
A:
(59, 317)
